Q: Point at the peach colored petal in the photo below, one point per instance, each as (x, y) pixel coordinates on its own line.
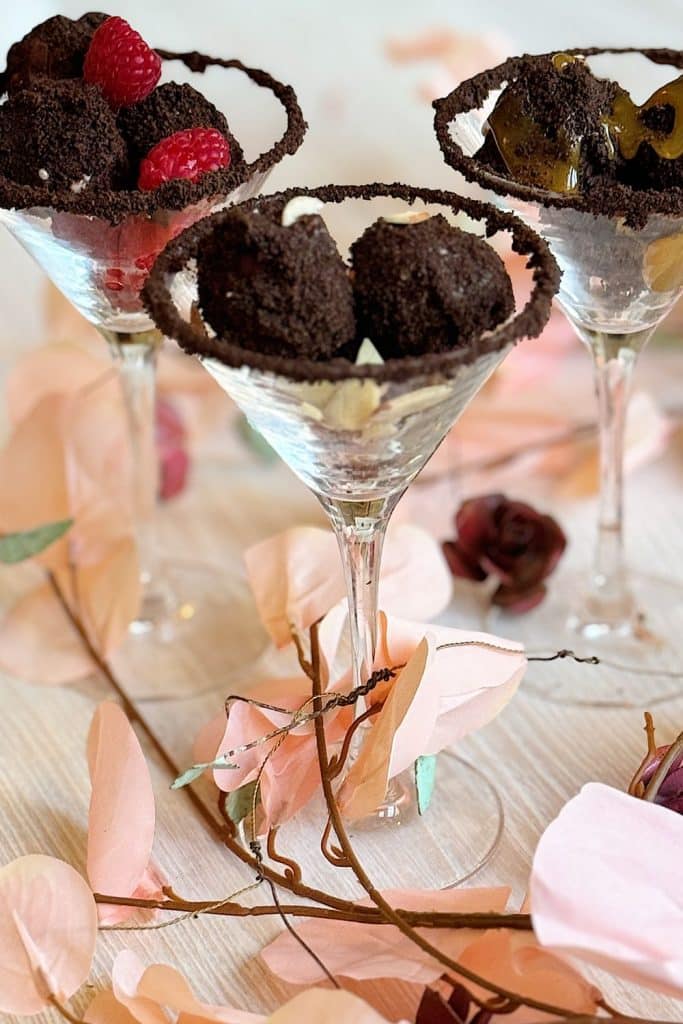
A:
(122, 813)
(365, 952)
(33, 474)
(366, 782)
(39, 644)
(462, 688)
(109, 594)
(60, 368)
(48, 929)
(63, 322)
(323, 1006)
(146, 991)
(415, 580)
(515, 961)
(297, 578)
(606, 887)
(106, 1009)
(98, 464)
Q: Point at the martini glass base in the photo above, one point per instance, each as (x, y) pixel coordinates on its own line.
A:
(641, 654)
(178, 645)
(455, 838)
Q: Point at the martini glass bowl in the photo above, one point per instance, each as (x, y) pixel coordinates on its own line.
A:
(100, 262)
(357, 435)
(622, 273)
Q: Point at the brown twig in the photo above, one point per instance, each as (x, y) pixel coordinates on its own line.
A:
(636, 787)
(387, 911)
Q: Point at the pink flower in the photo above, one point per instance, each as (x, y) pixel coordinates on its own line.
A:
(510, 541)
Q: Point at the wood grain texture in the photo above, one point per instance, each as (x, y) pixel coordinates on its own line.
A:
(538, 754)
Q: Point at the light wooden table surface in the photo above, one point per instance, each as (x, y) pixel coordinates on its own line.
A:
(539, 754)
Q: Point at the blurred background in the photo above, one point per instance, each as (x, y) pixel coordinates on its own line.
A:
(368, 112)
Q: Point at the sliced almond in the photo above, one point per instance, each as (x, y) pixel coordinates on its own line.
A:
(368, 354)
(407, 216)
(300, 206)
(663, 264)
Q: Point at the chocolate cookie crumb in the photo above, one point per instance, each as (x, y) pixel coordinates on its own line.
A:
(426, 286)
(279, 290)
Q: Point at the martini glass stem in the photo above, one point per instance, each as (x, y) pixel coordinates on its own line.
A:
(136, 358)
(609, 603)
(360, 527)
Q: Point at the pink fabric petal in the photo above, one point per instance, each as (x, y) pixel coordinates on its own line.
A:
(325, 1007)
(366, 782)
(606, 887)
(109, 594)
(33, 474)
(296, 578)
(48, 929)
(122, 813)
(60, 368)
(365, 952)
(515, 961)
(415, 581)
(146, 991)
(39, 644)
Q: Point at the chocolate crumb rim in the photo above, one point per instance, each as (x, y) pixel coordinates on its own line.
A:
(114, 206)
(635, 206)
(193, 339)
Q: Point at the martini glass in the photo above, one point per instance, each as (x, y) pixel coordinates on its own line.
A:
(357, 435)
(100, 262)
(621, 275)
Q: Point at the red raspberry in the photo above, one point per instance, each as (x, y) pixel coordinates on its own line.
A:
(187, 154)
(121, 63)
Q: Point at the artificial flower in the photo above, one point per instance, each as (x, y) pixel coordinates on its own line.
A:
(444, 686)
(142, 995)
(296, 577)
(122, 814)
(48, 929)
(606, 887)
(368, 953)
(68, 458)
(509, 541)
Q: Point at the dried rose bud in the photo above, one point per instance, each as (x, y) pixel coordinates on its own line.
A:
(670, 792)
(510, 541)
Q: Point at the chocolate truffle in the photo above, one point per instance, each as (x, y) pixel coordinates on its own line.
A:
(549, 124)
(279, 290)
(426, 286)
(54, 49)
(169, 109)
(60, 135)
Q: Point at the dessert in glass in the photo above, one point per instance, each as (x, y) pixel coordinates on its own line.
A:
(354, 378)
(99, 167)
(601, 178)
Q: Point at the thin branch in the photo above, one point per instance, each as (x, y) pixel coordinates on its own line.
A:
(131, 710)
(378, 899)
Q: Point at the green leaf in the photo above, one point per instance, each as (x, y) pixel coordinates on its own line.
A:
(425, 780)
(17, 547)
(196, 770)
(240, 802)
